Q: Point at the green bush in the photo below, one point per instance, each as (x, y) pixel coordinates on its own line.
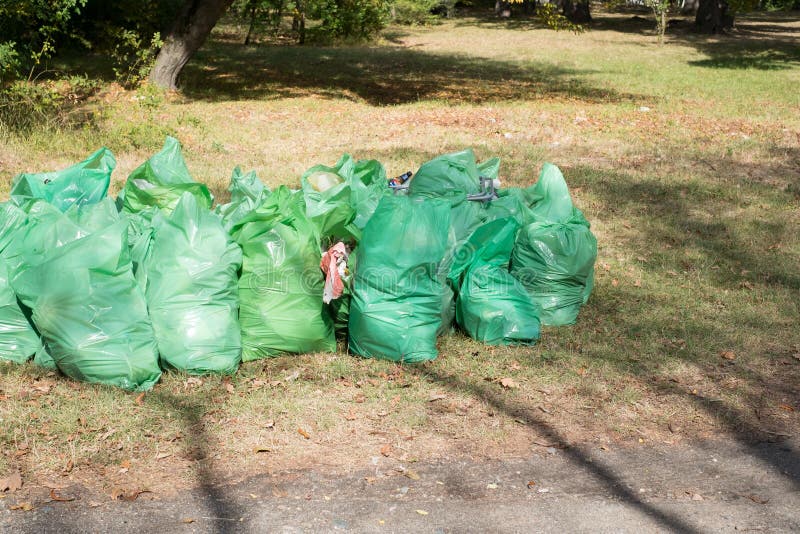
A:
(348, 19)
(780, 5)
(134, 56)
(25, 105)
(9, 62)
(414, 11)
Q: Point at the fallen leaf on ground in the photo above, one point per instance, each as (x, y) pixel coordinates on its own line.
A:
(24, 506)
(139, 399)
(303, 433)
(411, 474)
(261, 449)
(508, 383)
(386, 450)
(531, 484)
(60, 498)
(229, 388)
(786, 408)
(193, 381)
(350, 416)
(421, 512)
(12, 482)
(728, 355)
(122, 494)
(491, 486)
(187, 520)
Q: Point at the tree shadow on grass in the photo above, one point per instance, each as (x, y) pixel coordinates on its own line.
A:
(690, 216)
(528, 416)
(760, 41)
(377, 75)
(224, 512)
(687, 229)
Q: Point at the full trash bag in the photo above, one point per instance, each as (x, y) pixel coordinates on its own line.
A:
(554, 256)
(281, 286)
(18, 341)
(399, 280)
(160, 181)
(192, 291)
(74, 271)
(492, 305)
(341, 199)
(453, 177)
(247, 193)
(84, 183)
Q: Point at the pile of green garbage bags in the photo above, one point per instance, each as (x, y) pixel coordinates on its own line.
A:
(113, 291)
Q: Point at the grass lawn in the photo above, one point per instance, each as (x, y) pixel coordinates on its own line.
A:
(684, 157)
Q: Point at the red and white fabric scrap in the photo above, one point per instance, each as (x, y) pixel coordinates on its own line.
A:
(334, 265)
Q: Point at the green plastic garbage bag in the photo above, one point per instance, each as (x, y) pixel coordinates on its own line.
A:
(141, 231)
(399, 280)
(160, 181)
(452, 177)
(341, 199)
(84, 183)
(247, 193)
(18, 341)
(492, 305)
(554, 256)
(74, 271)
(510, 202)
(280, 289)
(192, 291)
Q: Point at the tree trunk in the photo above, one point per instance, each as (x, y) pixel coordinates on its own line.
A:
(299, 22)
(502, 8)
(191, 29)
(577, 12)
(713, 17)
(278, 16)
(689, 7)
(252, 27)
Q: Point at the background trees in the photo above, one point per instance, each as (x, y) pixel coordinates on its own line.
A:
(158, 37)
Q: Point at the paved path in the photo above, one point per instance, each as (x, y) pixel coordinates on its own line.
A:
(715, 487)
